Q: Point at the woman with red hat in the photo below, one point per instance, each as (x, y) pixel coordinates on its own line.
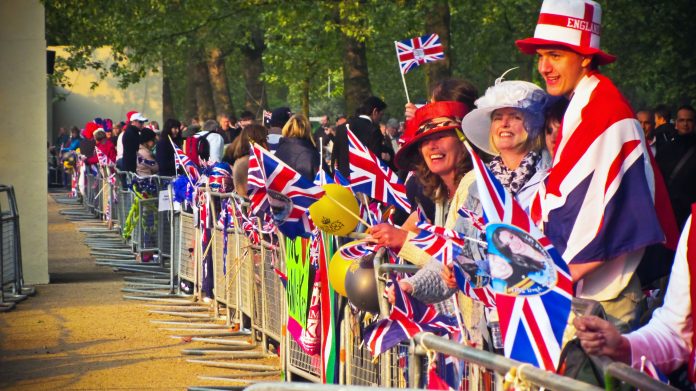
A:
(434, 152)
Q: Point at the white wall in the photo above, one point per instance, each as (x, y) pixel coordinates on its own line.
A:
(23, 154)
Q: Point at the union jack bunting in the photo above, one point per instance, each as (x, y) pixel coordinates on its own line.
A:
(407, 318)
(475, 220)
(532, 325)
(419, 50)
(184, 162)
(371, 176)
(278, 188)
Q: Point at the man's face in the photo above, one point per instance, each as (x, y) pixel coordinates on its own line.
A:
(376, 115)
(138, 124)
(685, 121)
(324, 121)
(562, 69)
(646, 121)
(224, 122)
(244, 122)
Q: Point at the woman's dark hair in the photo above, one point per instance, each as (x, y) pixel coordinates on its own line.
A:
(518, 259)
(254, 132)
(455, 90)
(433, 186)
(555, 112)
(167, 131)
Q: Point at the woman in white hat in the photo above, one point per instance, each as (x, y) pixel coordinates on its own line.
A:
(508, 124)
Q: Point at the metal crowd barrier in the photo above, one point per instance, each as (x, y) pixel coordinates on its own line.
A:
(12, 287)
(423, 343)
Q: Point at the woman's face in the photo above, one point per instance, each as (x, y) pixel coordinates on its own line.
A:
(500, 268)
(175, 132)
(513, 242)
(551, 135)
(441, 152)
(507, 130)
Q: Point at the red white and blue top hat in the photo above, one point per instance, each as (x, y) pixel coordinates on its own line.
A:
(575, 24)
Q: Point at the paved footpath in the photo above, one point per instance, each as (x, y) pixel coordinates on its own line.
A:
(77, 333)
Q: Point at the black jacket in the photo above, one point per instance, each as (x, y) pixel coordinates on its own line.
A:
(165, 158)
(300, 155)
(366, 132)
(131, 144)
(681, 185)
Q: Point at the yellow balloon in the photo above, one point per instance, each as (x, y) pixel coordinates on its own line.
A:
(332, 218)
(338, 267)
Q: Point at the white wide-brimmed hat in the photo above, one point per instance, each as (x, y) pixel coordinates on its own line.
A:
(522, 95)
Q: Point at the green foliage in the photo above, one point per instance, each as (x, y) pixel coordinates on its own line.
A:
(653, 40)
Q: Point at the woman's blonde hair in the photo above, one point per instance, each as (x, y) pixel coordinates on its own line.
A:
(535, 143)
(298, 127)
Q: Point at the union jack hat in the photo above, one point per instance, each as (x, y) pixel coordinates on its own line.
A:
(429, 119)
(575, 24)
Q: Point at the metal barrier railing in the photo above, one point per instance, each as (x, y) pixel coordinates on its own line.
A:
(425, 342)
(249, 290)
(12, 287)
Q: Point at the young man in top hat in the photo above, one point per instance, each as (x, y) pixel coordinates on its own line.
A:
(598, 204)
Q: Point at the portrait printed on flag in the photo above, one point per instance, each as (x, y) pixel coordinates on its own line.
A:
(519, 265)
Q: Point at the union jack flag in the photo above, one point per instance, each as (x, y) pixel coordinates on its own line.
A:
(532, 326)
(371, 176)
(419, 50)
(356, 250)
(602, 199)
(102, 158)
(407, 318)
(184, 162)
(340, 179)
(271, 181)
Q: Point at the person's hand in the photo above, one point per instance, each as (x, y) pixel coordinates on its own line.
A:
(391, 292)
(600, 337)
(388, 235)
(409, 111)
(386, 157)
(448, 276)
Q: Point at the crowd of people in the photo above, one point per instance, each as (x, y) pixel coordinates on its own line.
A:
(598, 178)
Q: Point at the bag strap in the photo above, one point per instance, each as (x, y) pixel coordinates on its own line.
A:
(681, 163)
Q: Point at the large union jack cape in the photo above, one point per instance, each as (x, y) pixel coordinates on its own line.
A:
(532, 326)
(268, 174)
(599, 200)
(408, 317)
(371, 176)
(416, 51)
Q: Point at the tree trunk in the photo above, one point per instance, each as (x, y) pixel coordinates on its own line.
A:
(356, 79)
(252, 64)
(204, 92)
(190, 105)
(167, 102)
(437, 20)
(218, 82)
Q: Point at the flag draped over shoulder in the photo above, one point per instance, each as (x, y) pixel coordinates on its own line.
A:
(274, 185)
(371, 176)
(602, 184)
(408, 317)
(419, 50)
(532, 325)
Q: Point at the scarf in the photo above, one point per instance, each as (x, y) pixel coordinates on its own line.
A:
(514, 180)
